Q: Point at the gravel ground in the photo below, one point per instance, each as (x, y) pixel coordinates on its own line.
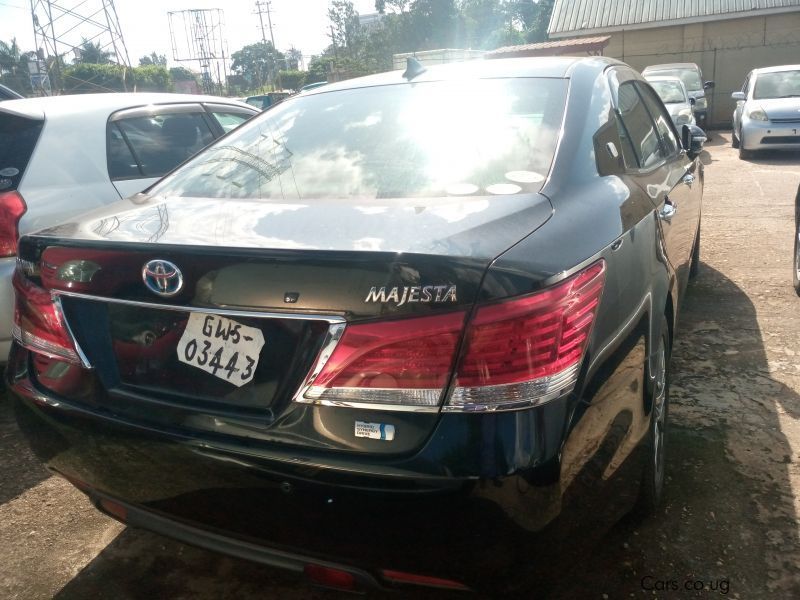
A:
(729, 525)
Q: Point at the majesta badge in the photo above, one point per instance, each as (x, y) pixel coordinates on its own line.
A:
(375, 431)
(408, 295)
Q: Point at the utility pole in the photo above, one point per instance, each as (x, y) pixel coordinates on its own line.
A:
(265, 6)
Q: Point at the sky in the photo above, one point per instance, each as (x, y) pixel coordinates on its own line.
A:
(145, 26)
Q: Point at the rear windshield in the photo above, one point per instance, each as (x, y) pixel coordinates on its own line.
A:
(431, 139)
(783, 84)
(689, 77)
(18, 137)
(669, 91)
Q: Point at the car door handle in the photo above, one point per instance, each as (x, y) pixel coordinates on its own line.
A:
(668, 210)
(688, 179)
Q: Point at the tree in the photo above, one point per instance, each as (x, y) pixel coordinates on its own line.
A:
(346, 30)
(158, 60)
(539, 21)
(182, 74)
(14, 67)
(294, 58)
(92, 53)
(257, 63)
(292, 79)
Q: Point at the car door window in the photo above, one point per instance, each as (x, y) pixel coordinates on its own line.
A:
(122, 164)
(637, 128)
(229, 120)
(661, 118)
(159, 143)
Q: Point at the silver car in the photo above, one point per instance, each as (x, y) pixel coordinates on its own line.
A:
(767, 115)
(692, 78)
(64, 155)
(675, 98)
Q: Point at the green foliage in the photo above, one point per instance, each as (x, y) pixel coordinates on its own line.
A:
(419, 25)
(153, 59)
(14, 67)
(152, 78)
(292, 80)
(92, 53)
(92, 78)
(256, 63)
(182, 74)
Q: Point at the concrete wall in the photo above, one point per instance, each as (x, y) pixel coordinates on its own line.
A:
(725, 51)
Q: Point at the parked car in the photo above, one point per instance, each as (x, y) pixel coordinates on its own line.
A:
(400, 331)
(265, 101)
(767, 114)
(63, 155)
(673, 94)
(6, 93)
(313, 86)
(692, 78)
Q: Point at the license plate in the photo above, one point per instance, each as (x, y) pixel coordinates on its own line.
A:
(226, 349)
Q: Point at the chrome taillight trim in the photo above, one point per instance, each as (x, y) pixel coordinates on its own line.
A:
(512, 396)
(36, 344)
(393, 399)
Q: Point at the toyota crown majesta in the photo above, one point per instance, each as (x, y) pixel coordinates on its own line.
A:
(399, 330)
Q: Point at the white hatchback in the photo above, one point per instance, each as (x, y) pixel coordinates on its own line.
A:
(64, 155)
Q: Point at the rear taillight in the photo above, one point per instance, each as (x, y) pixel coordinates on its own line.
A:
(517, 353)
(528, 350)
(12, 207)
(404, 363)
(38, 322)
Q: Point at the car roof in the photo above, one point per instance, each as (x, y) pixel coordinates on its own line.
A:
(667, 66)
(70, 104)
(778, 68)
(550, 66)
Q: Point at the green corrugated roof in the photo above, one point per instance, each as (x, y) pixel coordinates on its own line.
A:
(575, 17)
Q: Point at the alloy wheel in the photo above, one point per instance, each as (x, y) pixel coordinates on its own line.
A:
(660, 412)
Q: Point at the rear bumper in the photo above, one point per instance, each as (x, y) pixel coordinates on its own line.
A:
(433, 513)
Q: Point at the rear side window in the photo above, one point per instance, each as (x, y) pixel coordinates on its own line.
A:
(661, 118)
(637, 127)
(18, 136)
(150, 146)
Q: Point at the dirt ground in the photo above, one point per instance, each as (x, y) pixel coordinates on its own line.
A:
(729, 526)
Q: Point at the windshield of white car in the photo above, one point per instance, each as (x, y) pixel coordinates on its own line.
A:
(778, 84)
(669, 91)
(689, 77)
(426, 139)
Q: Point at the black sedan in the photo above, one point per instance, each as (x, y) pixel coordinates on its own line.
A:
(398, 330)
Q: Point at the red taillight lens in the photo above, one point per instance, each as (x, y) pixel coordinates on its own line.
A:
(405, 362)
(12, 207)
(423, 580)
(330, 577)
(38, 323)
(525, 351)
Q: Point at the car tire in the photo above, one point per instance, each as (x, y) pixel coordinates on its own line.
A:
(734, 140)
(796, 261)
(652, 484)
(694, 265)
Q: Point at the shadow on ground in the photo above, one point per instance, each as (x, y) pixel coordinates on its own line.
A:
(19, 467)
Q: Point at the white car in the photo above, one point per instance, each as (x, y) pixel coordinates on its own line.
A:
(64, 155)
(675, 98)
(767, 114)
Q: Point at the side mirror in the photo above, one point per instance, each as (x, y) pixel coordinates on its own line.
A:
(709, 85)
(692, 101)
(739, 96)
(692, 139)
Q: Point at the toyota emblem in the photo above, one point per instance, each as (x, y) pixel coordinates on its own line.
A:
(162, 278)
